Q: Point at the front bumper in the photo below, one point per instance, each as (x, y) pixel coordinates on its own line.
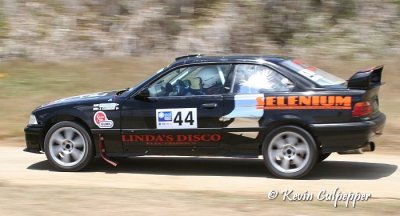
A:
(340, 137)
(33, 138)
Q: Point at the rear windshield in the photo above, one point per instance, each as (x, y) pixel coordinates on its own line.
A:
(312, 73)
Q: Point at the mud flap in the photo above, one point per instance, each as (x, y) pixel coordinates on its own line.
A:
(103, 152)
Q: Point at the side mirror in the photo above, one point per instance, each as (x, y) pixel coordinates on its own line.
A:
(143, 95)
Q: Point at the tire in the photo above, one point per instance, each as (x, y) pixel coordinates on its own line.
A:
(289, 152)
(68, 146)
(323, 156)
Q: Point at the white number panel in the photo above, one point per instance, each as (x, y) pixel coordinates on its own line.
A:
(176, 118)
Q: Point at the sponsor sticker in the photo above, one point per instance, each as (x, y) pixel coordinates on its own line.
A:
(101, 120)
(171, 139)
(164, 116)
(105, 106)
(176, 118)
(304, 102)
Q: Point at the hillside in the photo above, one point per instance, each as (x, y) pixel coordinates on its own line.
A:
(58, 29)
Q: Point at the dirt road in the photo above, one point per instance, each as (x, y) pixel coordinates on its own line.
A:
(193, 186)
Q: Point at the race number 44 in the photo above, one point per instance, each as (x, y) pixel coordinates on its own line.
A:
(176, 118)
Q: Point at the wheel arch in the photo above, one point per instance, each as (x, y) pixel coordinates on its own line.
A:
(268, 128)
(64, 117)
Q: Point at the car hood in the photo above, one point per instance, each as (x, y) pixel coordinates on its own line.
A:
(92, 98)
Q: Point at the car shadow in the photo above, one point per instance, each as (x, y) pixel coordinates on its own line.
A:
(351, 170)
(232, 167)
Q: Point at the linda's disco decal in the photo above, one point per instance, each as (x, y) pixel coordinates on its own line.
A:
(170, 139)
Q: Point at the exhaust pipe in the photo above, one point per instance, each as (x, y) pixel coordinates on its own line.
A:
(369, 147)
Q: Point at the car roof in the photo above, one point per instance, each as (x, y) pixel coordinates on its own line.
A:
(198, 58)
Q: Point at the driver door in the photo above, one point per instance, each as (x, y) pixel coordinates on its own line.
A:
(178, 114)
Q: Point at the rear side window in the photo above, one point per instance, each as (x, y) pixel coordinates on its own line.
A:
(315, 74)
(255, 79)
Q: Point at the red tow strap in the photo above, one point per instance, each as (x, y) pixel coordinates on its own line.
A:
(103, 152)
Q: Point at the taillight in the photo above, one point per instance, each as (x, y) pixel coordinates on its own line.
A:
(362, 109)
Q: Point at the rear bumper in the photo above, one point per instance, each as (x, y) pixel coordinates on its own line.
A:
(347, 136)
(33, 138)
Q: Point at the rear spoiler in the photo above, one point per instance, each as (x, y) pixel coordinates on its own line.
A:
(366, 79)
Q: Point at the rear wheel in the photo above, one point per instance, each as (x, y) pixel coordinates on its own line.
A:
(68, 146)
(289, 152)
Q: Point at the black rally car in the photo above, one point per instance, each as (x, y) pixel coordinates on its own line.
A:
(292, 113)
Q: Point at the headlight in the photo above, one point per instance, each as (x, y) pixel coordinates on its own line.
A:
(32, 120)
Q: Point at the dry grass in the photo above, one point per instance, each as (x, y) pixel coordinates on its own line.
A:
(25, 85)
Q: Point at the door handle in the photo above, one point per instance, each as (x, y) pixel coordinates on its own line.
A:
(209, 105)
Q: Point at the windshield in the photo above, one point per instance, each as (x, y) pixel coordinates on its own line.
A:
(312, 73)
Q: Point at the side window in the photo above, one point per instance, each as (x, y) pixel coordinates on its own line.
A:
(193, 80)
(254, 79)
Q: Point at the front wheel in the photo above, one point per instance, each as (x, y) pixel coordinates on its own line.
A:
(68, 146)
(289, 152)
